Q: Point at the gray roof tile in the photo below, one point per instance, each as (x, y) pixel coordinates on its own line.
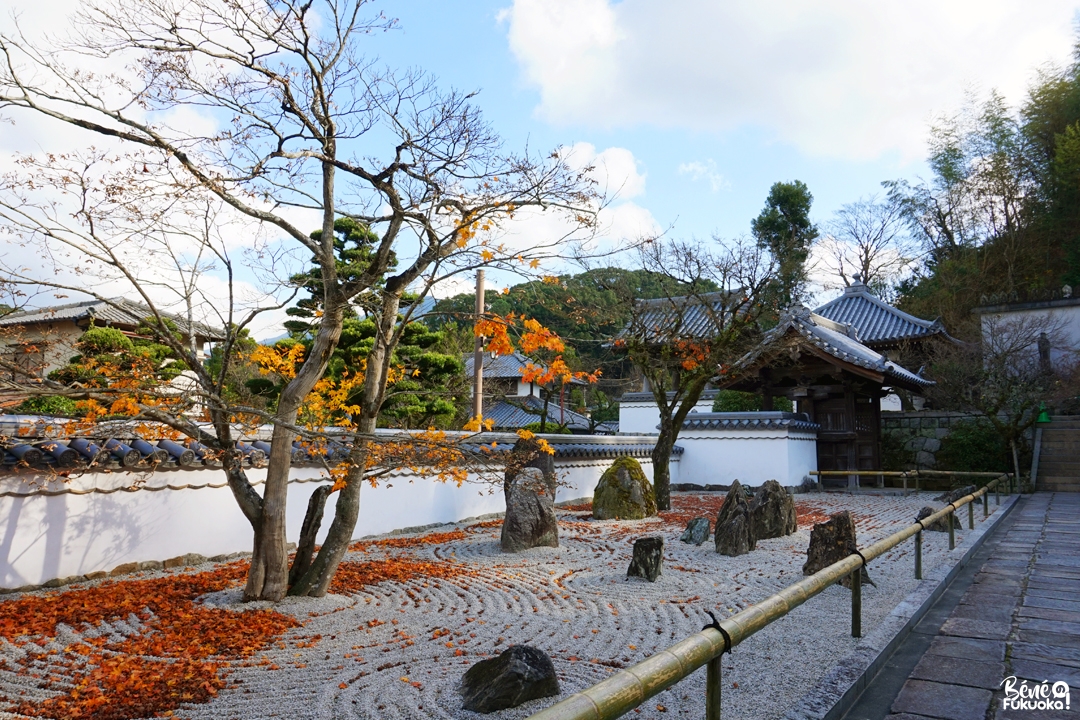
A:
(836, 339)
(875, 321)
(116, 311)
(518, 412)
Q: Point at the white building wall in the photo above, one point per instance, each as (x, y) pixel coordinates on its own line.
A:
(45, 536)
(640, 416)
(1064, 319)
(720, 456)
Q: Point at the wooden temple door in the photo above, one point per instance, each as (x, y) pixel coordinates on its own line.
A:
(867, 432)
(835, 445)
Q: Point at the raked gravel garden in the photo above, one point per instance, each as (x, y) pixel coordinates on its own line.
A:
(408, 614)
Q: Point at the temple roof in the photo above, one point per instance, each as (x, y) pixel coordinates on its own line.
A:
(836, 340)
(876, 322)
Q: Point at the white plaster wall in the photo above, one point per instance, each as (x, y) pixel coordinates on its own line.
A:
(717, 457)
(44, 537)
(1065, 320)
(643, 417)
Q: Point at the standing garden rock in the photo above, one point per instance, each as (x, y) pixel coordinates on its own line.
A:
(939, 525)
(624, 493)
(530, 512)
(697, 531)
(528, 453)
(831, 542)
(734, 534)
(954, 495)
(520, 674)
(648, 559)
(772, 512)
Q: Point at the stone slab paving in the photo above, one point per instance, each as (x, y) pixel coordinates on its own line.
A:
(1018, 616)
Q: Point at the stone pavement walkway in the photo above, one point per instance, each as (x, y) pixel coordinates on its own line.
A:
(1015, 612)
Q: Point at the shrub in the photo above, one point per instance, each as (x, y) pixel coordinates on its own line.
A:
(551, 427)
(736, 401)
(98, 340)
(973, 446)
(894, 454)
(47, 405)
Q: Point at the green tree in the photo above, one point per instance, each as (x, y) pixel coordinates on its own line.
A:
(784, 229)
(585, 309)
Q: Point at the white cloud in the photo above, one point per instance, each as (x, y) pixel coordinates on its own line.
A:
(835, 78)
(698, 170)
(615, 169)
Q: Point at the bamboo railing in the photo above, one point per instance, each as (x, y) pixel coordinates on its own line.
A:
(626, 689)
(906, 474)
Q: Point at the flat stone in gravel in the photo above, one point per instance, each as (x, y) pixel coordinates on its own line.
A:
(519, 674)
(648, 558)
(697, 531)
(530, 512)
(935, 700)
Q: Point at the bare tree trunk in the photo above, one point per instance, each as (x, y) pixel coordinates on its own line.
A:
(305, 548)
(316, 581)
(1016, 462)
(661, 462)
(268, 577)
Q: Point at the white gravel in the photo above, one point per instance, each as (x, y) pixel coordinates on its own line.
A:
(575, 603)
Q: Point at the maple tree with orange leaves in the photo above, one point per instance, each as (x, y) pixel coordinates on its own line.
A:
(202, 223)
(535, 340)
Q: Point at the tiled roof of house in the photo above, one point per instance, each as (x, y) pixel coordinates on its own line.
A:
(875, 321)
(117, 311)
(690, 316)
(501, 366)
(518, 412)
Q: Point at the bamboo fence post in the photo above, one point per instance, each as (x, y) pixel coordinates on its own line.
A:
(856, 602)
(713, 686)
(905, 484)
(971, 515)
(997, 491)
(952, 531)
(918, 555)
(986, 504)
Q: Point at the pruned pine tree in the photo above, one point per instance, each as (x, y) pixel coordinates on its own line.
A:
(298, 122)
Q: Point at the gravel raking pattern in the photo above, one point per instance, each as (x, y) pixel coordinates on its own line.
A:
(397, 648)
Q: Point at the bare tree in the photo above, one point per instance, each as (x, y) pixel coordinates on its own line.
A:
(680, 343)
(1006, 376)
(869, 239)
(302, 122)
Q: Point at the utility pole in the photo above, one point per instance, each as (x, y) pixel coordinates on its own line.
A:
(478, 352)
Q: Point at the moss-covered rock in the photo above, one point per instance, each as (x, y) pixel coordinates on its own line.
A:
(624, 493)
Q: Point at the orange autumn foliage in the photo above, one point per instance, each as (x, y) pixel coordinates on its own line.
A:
(354, 576)
(184, 650)
(181, 655)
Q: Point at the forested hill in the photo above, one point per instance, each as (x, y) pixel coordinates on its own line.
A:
(586, 310)
(999, 218)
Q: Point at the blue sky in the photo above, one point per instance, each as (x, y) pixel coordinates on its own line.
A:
(691, 109)
(852, 137)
